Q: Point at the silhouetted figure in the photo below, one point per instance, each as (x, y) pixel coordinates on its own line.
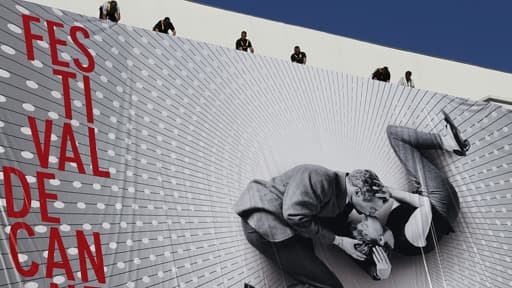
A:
(164, 25)
(382, 74)
(244, 44)
(111, 11)
(298, 56)
(407, 80)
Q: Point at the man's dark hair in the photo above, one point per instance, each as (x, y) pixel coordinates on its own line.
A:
(408, 73)
(296, 47)
(113, 4)
(167, 19)
(368, 183)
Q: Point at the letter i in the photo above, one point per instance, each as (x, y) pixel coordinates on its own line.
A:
(88, 99)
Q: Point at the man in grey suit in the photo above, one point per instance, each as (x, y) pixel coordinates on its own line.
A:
(282, 217)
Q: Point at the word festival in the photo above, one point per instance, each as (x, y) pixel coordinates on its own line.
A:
(58, 261)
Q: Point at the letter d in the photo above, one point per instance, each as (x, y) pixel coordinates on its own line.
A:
(9, 197)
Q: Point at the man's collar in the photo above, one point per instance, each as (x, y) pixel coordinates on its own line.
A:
(342, 195)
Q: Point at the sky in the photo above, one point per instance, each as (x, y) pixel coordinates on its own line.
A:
(469, 31)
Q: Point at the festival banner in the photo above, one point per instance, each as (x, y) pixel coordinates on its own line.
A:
(129, 159)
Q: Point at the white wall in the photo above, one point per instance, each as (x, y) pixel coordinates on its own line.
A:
(324, 50)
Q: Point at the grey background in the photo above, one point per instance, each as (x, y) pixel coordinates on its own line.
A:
(183, 126)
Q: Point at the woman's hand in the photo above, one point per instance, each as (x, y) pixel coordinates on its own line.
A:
(382, 263)
(390, 190)
(386, 190)
(348, 245)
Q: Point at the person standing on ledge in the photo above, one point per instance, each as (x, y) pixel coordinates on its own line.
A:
(382, 74)
(283, 216)
(244, 44)
(164, 25)
(407, 80)
(111, 11)
(298, 56)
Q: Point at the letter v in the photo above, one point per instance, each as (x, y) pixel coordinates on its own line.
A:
(43, 153)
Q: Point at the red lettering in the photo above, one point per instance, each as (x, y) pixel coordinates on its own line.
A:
(55, 285)
(88, 99)
(44, 196)
(43, 153)
(13, 245)
(84, 251)
(90, 58)
(94, 156)
(54, 42)
(69, 137)
(29, 36)
(9, 197)
(66, 92)
(56, 240)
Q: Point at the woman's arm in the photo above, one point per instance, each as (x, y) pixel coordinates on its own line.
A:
(409, 198)
(417, 227)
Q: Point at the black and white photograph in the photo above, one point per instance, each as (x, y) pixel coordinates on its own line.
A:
(135, 155)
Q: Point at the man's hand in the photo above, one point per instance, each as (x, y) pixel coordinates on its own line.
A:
(382, 262)
(347, 244)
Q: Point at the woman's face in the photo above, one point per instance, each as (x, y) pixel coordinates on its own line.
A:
(370, 230)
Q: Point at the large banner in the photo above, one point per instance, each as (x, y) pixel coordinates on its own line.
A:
(128, 159)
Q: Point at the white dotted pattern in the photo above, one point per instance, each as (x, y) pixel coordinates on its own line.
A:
(183, 126)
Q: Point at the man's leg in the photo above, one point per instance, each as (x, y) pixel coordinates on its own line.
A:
(296, 257)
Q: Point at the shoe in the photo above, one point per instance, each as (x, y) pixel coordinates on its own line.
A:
(463, 144)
